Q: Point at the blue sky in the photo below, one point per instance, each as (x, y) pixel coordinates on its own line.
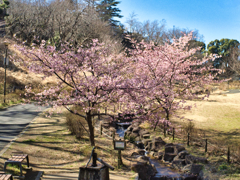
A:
(214, 19)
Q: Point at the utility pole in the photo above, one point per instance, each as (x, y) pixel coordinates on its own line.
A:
(5, 67)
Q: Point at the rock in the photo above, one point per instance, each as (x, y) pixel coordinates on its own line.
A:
(196, 169)
(145, 171)
(127, 133)
(136, 129)
(142, 132)
(169, 157)
(169, 149)
(178, 164)
(190, 159)
(146, 136)
(143, 159)
(190, 177)
(182, 154)
(137, 138)
(130, 128)
(179, 148)
(157, 145)
(160, 155)
(187, 168)
(149, 146)
(152, 153)
(133, 135)
(140, 145)
(193, 168)
(134, 154)
(145, 141)
(141, 152)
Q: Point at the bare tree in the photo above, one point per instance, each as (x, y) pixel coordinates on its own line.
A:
(58, 21)
(234, 62)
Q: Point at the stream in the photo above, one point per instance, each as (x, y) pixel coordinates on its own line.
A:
(162, 170)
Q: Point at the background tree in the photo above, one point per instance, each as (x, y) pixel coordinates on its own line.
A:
(222, 47)
(108, 11)
(234, 60)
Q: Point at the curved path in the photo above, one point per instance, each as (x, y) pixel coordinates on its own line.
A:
(14, 119)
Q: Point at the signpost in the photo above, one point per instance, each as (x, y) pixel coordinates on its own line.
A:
(119, 145)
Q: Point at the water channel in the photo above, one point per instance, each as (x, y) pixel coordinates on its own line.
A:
(162, 170)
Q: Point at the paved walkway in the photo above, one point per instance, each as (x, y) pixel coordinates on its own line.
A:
(14, 119)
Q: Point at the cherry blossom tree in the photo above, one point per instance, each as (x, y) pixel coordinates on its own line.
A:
(165, 76)
(87, 77)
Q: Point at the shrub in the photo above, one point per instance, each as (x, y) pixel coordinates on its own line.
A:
(74, 122)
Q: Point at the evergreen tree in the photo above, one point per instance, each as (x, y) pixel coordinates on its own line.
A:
(3, 8)
(108, 10)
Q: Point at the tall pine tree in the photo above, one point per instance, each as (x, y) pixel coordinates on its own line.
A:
(108, 10)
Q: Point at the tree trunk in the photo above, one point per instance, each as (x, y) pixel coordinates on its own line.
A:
(91, 129)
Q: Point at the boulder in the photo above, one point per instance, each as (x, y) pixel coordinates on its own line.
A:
(136, 129)
(179, 148)
(157, 144)
(196, 169)
(133, 135)
(145, 141)
(169, 149)
(142, 132)
(141, 152)
(193, 169)
(149, 146)
(182, 154)
(190, 159)
(169, 156)
(160, 155)
(137, 138)
(146, 136)
(127, 133)
(130, 128)
(178, 164)
(145, 171)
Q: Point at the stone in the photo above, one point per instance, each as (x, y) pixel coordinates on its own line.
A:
(143, 131)
(190, 159)
(134, 154)
(135, 129)
(190, 177)
(140, 145)
(179, 148)
(143, 159)
(178, 164)
(157, 145)
(141, 152)
(137, 138)
(133, 135)
(127, 133)
(160, 155)
(149, 146)
(145, 171)
(152, 153)
(169, 149)
(187, 168)
(182, 154)
(145, 141)
(130, 128)
(196, 169)
(146, 136)
(169, 157)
